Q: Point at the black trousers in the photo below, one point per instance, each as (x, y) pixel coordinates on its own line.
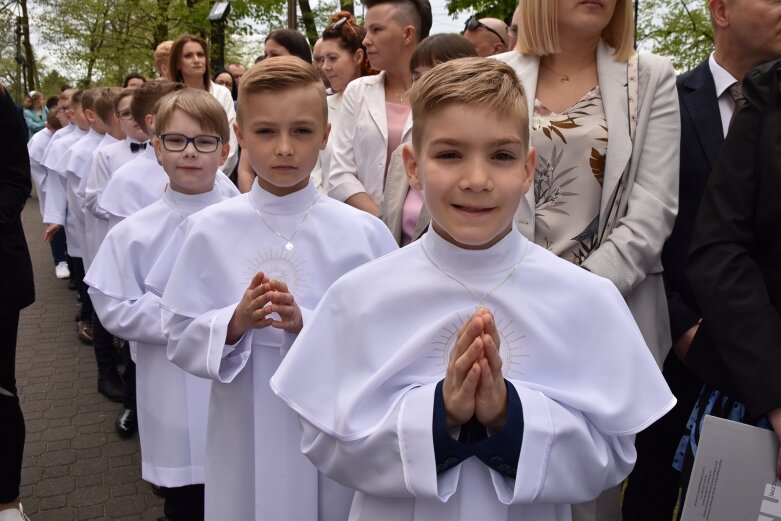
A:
(184, 503)
(59, 247)
(129, 379)
(86, 304)
(103, 344)
(11, 418)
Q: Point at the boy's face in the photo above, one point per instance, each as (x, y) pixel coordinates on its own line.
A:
(190, 171)
(283, 133)
(473, 166)
(63, 113)
(127, 122)
(78, 116)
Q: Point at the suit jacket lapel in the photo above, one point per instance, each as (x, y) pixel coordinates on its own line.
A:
(375, 101)
(613, 87)
(702, 106)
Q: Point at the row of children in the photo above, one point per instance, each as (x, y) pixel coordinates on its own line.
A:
(408, 365)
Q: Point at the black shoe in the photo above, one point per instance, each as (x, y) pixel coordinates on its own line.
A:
(157, 490)
(72, 284)
(111, 388)
(126, 423)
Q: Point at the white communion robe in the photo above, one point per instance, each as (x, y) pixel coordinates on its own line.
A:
(107, 161)
(254, 466)
(139, 183)
(172, 405)
(55, 160)
(78, 164)
(35, 149)
(362, 375)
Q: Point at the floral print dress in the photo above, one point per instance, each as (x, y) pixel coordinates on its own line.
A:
(571, 150)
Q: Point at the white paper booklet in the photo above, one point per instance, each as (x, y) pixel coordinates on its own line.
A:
(734, 476)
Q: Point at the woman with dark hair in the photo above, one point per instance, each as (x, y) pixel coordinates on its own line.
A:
(225, 78)
(133, 80)
(402, 208)
(189, 64)
(287, 42)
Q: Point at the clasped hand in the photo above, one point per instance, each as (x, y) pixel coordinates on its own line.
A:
(474, 384)
(263, 297)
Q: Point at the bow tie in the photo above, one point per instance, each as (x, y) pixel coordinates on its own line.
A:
(135, 147)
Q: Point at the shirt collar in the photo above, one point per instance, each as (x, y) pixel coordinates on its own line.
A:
(721, 78)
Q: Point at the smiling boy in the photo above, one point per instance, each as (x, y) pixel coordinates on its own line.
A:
(270, 254)
(472, 374)
(193, 141)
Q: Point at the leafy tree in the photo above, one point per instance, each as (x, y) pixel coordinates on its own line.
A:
(680, 29)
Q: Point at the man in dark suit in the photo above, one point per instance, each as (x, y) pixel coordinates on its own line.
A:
(16, 288)
(745, 35)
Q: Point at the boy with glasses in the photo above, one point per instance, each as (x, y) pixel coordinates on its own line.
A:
(192, 141)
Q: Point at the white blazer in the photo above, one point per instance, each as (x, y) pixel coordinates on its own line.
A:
(360, 145)
(631, 255)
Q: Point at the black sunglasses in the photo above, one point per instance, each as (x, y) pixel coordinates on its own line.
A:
(473, 23)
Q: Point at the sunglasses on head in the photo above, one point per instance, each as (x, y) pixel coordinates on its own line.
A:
(473, 23)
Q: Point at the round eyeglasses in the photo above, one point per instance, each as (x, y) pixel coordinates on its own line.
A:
(178, 142)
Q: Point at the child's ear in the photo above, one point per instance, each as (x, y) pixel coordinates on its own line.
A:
(239, 134)
(149, 120)
(158, 148)
(325, 136)
(411, 166)
(226, 150)
(528, 169)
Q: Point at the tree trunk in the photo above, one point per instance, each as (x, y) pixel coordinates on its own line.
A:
(32, 70)
(347, 5)
(310, 29)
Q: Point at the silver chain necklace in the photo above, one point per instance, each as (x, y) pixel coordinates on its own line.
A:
(480, 300)
(288, 240)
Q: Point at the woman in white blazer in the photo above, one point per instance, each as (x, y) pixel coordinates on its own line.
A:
(189, 64)
(575, 60)
(360, 146)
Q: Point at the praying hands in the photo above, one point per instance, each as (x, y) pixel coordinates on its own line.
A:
(474, 385)
(263, 297)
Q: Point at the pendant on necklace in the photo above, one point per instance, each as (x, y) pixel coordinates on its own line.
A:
(289, 246)
(481, 307)
(565, 78)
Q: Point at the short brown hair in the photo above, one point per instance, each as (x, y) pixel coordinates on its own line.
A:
(439, 48)
(122, 94)
(145, 97)
(76, 97)
(468, 81)
(66, 94)
(539, 36)
(278, 74)
(88, 98)
(52, 121)
(174, 72)
(104, 103)
(199, 105)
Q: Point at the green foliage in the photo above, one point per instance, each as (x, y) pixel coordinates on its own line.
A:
(52, 82)
(503, 9)
(680, 29)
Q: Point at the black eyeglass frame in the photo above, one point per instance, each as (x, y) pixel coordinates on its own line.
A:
(188, 140)
(473, 23)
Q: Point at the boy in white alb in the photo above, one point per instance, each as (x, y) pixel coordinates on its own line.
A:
(471, 375)
(193, 141)
(248, 272)
(142, 181)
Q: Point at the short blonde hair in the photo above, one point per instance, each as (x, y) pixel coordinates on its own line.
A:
(468, 81)
(199, 105)
(278, 74)
(163, 52)
(539, 36)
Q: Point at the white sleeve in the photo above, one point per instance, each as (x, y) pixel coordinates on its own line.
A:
(563, 459)
(96, 181)
(56, 199)
(138, 320)
(342, 180)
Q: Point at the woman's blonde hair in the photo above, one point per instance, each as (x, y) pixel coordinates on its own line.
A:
(538, 34)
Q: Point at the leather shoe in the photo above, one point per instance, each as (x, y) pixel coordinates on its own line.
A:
(111, 388)
(84, 329)
(126, 423)
(72, 284)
